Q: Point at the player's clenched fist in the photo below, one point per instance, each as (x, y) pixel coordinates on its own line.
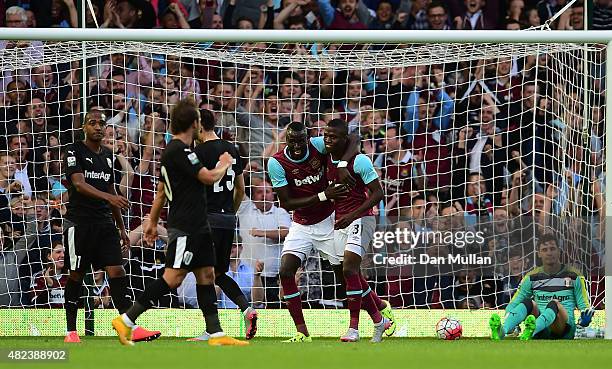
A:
(226, 159)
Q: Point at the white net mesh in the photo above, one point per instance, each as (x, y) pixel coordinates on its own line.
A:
(503, 138)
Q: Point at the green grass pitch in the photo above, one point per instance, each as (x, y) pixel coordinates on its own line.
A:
(324, 353)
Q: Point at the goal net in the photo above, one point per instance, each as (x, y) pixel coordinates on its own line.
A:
(503, 142)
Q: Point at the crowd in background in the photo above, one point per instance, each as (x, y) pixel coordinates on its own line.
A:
(494, 144)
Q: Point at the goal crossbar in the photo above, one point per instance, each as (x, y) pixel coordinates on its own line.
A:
(332, 36)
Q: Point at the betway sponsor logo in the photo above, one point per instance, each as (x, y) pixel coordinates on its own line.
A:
(308, 180)
(97, 175)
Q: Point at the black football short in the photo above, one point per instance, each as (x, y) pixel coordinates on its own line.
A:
(223, 239)
(91, 244)
(189, 251)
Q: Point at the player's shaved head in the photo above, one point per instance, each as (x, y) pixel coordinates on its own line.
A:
(207, 119)
(297, 140)
(296, 127)
(340, 125)
(94, 113)
(183, 115)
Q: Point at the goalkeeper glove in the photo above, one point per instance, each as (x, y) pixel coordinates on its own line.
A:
(585, 317)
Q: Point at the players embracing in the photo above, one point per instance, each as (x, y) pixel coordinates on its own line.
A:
(299, 175)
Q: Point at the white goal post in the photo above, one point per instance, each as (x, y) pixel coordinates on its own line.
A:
(11, 59)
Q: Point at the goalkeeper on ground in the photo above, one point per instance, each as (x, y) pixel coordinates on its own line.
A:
(546, 299)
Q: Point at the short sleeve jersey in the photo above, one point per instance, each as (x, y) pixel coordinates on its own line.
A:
(220, 195)
(97, 168)
(184, 191)
(304, 178)
(362, 169)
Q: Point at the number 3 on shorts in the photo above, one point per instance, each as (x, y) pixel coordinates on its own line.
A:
(356, 228)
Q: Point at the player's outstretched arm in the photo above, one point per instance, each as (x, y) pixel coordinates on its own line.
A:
(289, 203)
(210, 176)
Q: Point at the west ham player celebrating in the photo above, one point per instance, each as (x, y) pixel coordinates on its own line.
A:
(298, 177)
(354, 227)
(92, 218)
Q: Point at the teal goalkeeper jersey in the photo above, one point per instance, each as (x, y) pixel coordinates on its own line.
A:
(567, 286)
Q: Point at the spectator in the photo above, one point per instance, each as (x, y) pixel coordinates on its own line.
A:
(514, 11)
(64, 14)
(467, 291)
(12, 253)
(548, 8)
(385, 19)
(128, 14)
(345, 17)
(602, 15)
(172, 18)
(572, 18)
(351, 105)
(292, 15)
(8, 184)
(513, 25)
(517, 264)
(248, 280)
(418, 16)
(101, 291)
(16, 100)
(477, 201)
(24, 169)
(475, 14)
(33, 50)
(263, 227)
(429, 115)
(402, 172)
(209, 18)
(437, 16)
(47, 288)
(146, 176)
(242, 22)
(530, 17)
(372, 127)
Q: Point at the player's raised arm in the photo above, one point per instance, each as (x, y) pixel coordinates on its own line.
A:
(210, 176)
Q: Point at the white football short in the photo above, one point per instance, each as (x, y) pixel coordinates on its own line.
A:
(302, 239)
(355, 238)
